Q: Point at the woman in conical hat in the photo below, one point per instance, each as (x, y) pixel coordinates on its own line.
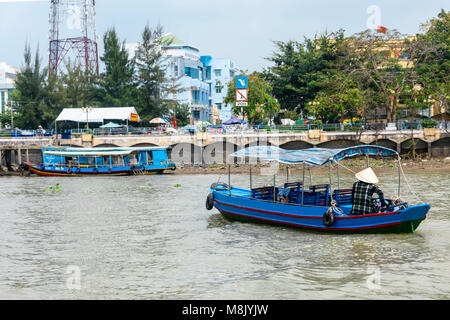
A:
(367, 176)
(362, 192)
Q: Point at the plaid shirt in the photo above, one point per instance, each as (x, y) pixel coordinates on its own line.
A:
(362, 198)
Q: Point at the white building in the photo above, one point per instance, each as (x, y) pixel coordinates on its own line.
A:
(202, 80)
(8, 76)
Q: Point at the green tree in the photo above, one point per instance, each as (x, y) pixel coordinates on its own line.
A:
(79, 87)
(375, 60)
(431, 55)
(300, 70)
(261, 104)
(54, 98)
(182, 114)
(29, 93)
(155, 89)
(116, 87)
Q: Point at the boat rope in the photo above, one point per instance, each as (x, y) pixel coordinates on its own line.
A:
(334, 207)
(397, 197)
(407, 182)
(340, 164)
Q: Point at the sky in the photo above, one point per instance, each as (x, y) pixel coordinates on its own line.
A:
(242, 30)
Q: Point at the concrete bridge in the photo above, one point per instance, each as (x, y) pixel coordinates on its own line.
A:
(434, 142)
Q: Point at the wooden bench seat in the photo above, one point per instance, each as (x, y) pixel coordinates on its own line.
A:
(264, 193)
(296, 189)
(343, 196)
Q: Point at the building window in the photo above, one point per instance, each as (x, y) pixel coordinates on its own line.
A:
(175, 69)
(219, 105)
(218, 89)
(231, 74)
(218, 72)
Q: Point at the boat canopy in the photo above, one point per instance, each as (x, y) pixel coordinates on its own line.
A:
(115, 149)
(65, 153)
(313, 156)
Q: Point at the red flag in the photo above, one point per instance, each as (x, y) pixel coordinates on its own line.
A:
(381, 29)
(174, 122)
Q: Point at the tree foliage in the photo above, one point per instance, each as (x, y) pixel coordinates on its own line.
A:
(116, 87)
(28, 97)
(300, 70)
(155, 88)
(261, 103)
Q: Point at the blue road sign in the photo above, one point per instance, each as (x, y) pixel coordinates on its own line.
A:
(242, 82)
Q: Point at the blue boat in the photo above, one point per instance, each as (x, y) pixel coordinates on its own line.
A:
(318, 207)
(68, 161)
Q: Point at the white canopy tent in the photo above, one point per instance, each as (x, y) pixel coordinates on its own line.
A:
(97, 115)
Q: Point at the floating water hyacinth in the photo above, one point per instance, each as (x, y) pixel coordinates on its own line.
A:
(177, 185)
(54, 188)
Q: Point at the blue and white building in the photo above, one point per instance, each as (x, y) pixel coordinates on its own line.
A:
(202, 80)
(8, 76)
(219, 73)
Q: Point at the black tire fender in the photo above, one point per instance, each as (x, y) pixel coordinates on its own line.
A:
(328, 218)
(210, 201)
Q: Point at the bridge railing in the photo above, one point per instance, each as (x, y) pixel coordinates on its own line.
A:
(257, 129)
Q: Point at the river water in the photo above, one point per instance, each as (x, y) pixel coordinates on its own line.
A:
(150, 237)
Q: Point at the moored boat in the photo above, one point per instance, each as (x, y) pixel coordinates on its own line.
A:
(68, 161)
(318, 207)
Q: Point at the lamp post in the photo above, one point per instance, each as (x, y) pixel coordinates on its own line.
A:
(87, 110)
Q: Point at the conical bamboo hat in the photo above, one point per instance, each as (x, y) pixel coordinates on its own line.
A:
(367, 176)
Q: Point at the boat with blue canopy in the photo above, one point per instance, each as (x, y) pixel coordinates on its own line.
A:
(318, 207)
(70, 161)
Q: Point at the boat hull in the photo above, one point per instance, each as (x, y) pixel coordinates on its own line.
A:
(89, 172)
(310, 218)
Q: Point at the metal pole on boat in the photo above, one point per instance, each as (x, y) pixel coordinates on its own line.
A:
(274, 176)
(399, 174)
(338, 176)
(303, 182)
(367, 161)
(287, 174)
(310, 176)
(251, 182)
(229, 179)
(330, 173)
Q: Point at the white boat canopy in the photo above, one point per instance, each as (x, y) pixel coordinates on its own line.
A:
(98, 115)
(313, 156)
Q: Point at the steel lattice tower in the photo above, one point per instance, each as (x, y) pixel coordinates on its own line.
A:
(73, 35)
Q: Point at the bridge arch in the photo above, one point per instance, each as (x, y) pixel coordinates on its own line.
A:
(106, 145)
(385, 143)
(420, 146)
(218, 152)
(259, 142)
(441, 147)
(185, 153)
(339, 143)
(296, 145)
(143, 145)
